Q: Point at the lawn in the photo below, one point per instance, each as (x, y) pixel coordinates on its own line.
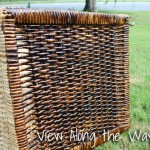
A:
(61, 1)
(139, 84)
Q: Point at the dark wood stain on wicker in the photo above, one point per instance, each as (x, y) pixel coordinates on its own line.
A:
(65, 70)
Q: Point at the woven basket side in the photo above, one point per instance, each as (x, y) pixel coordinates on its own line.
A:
(64, 76)
(8, 137)
(122, 75)
(19, 72)
(14, 80)
(112, 56)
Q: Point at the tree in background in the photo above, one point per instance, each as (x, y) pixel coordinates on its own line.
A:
(29, 4)
(90, 5)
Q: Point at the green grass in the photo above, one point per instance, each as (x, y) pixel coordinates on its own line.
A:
(139, 84)
(61, 1)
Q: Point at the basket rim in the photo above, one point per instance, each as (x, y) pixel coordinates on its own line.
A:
(63, 17)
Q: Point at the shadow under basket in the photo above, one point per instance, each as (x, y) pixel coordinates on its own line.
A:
(64, 79)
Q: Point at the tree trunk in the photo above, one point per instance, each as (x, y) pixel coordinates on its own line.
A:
(29, 4)
(90, 5)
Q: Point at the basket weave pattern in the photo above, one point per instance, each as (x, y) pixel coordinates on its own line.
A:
(62, 71)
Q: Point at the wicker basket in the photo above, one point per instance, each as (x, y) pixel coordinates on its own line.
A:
(62, 72)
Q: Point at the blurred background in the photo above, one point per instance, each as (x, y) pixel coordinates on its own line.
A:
(125, 5)
(139, 40)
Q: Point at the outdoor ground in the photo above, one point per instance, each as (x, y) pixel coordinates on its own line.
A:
(139, 84)
(61, 1)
